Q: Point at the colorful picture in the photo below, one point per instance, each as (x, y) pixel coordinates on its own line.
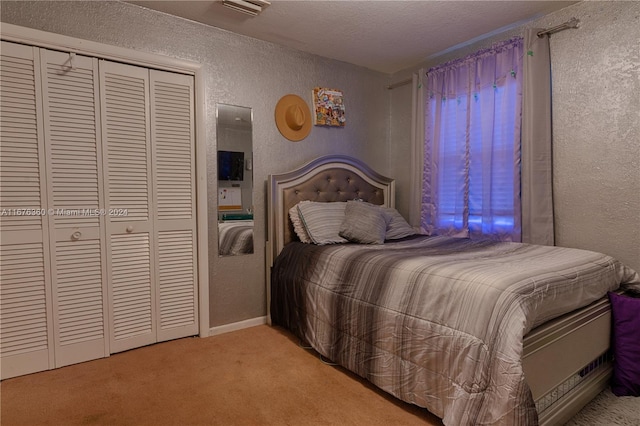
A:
(328, 106)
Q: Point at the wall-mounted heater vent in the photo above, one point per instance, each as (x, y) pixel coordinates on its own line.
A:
(250, 7)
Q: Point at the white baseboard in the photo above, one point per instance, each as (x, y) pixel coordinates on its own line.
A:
(252, 322)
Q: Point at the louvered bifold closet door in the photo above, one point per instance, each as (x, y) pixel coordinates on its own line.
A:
(26, 340)
(172, 124)
(130, 253)
(74, 176)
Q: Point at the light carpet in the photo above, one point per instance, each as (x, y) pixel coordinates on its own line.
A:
(609, 410)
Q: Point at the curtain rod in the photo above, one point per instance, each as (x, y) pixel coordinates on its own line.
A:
(398, 84)
(571, 23)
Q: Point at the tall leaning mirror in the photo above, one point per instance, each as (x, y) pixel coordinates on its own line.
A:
(235, 180)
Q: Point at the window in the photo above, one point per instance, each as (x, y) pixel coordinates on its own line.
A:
(472, 146)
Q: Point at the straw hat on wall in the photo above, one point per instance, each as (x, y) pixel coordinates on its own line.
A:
(293, 117)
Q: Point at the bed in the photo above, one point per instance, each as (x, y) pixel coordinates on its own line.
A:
(536, 355)
(236, 237)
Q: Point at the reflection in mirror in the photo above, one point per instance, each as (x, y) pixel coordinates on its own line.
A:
(235, 180)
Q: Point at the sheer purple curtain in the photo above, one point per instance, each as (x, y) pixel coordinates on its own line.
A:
(471, 178)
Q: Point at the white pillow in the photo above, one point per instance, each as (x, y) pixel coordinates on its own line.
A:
(322, 221)
(298, 226)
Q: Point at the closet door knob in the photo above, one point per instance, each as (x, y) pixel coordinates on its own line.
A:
(129, 228)
(76, 236)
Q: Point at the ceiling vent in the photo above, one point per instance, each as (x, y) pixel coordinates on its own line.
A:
(250, 7)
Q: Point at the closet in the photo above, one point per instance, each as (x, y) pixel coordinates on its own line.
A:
(97, 197)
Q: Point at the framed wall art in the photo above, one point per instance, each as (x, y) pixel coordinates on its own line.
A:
(328, 107)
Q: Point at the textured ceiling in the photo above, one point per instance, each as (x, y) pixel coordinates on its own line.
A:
(386, 36)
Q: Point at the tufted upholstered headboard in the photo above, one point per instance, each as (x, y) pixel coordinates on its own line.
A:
(326, 179)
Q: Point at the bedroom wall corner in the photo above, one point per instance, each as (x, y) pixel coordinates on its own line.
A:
(400, 153)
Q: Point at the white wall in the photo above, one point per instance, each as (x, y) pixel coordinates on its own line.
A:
(596, 123)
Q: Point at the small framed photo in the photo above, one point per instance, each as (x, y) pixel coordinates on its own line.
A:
(328, 107)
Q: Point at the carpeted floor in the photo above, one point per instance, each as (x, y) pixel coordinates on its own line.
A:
(255, 376)
(609, 410)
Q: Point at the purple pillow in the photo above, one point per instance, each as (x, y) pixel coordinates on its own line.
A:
(625, 312)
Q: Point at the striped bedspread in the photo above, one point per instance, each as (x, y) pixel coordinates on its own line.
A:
(437, 321)
(235, 238)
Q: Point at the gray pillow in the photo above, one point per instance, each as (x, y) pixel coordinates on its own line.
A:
(364, 223)
(398, 226)
(322, 221)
